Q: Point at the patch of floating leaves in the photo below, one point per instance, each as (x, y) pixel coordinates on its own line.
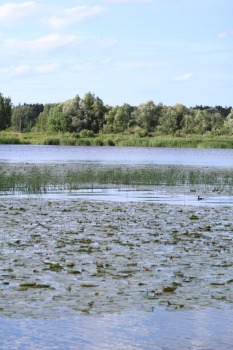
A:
(98, 257)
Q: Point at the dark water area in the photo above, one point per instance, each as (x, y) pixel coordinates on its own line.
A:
(116, 155)
(157, 330)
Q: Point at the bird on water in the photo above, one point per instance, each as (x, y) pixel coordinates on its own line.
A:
(199, 198)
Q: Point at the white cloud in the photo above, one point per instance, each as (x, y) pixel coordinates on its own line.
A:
(143, 64)
(226, 34)
(10, 12)
(26, 69)
(73, 15)
(45, 43)
(47, 68)
(49, 43)
(20, 70)
(184, 77)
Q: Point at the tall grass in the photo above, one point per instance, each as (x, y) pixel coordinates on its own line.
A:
(40, 180)
(12, 140)
(89, 139)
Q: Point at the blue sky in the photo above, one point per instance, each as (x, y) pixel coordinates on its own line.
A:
(123, 51)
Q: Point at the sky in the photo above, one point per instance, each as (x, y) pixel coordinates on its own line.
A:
(123, 51)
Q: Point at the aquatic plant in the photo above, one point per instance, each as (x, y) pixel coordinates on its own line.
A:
(36, 179)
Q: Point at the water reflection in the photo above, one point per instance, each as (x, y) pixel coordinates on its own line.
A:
(171, 196)
(160, 329)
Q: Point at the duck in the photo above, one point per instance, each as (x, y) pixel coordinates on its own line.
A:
(199, 198)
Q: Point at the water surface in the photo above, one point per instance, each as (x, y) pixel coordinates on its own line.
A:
(116, 155)
(203, 328)
(158, 330)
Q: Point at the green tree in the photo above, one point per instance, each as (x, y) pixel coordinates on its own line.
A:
(147, 115)
(172, 119)
(121, 120)
(41, 121)
(189, 122)
(19, 118)
(86, 113)
(228, 123)
(93, 111)
(202, 122)
(5, 112)
(217, 121)
(116, 120)
(57, 120)
(71, 107)
(109, 120)
(24, 117)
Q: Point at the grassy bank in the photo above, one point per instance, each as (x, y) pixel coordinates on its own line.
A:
(189, 141)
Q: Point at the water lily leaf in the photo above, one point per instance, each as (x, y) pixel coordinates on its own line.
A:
(75, 272)
(194, 217)
(89, 285)
(169, 289)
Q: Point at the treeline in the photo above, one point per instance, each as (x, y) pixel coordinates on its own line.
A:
(89, 116)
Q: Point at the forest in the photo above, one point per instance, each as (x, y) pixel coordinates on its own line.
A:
(89, 116)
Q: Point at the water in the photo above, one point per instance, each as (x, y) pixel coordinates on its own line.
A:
(116, 155)
(202, 329)
(133, 156)
(173, 196)
(158, 330)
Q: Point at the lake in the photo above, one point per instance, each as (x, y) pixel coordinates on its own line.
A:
(116, 155)
(126, 157)
(199, 315)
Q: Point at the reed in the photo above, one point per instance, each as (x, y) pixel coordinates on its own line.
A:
(40, 180)
(9, 140)
(52, 141)
(87, 138)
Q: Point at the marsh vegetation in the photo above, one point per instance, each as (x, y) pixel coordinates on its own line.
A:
(97, 257)
(41, 178)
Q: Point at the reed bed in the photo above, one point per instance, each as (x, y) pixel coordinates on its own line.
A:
(124, 140)
(37, 179)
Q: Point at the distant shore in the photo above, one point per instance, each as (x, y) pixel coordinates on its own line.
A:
(124, 140)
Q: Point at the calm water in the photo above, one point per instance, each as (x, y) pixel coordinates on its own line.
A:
(127, 156)
(160, 329)
(134, 195)
(116, 155)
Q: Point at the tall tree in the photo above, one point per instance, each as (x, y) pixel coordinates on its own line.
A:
(147, 115)
(24, 117)
(5, 112)
(228, 123)
(57, 120)
(172, 119)
(41, 121)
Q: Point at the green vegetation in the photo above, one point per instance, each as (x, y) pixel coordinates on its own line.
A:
(5, 112)
(39, 179)
(75, 139)
(126, 140)
(87, 121)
